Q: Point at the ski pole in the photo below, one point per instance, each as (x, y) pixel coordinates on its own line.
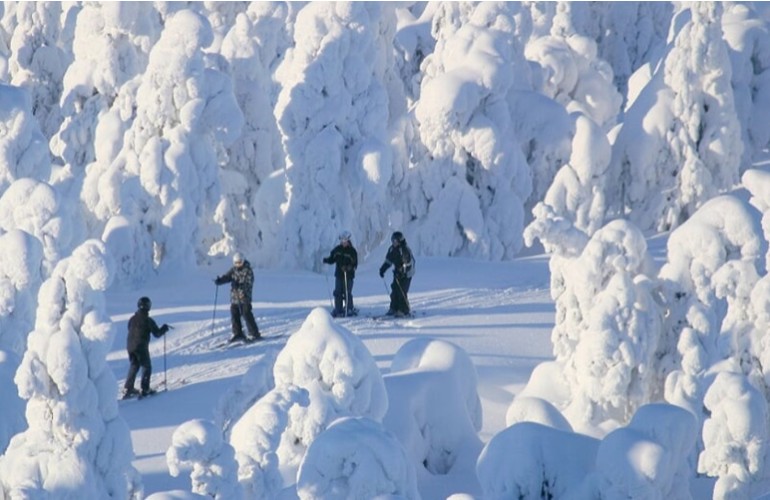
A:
(214, 314)
(329, 291)
(165, 380)
(347, 297)
(406, 300)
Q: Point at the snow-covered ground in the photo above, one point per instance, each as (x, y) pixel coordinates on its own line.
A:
(501, 314)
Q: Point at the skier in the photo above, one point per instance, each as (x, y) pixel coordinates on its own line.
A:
(241, 279)
(400, 257)
(140, 326)
(345, 257)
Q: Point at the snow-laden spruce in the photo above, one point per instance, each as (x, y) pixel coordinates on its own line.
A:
(334, 115)
(251, 47)
(23, 151)
(665, 168)
(37, 61)
(77, 445)
(473, 178)
(165, 178)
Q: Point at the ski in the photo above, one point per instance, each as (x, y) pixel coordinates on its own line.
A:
(382, 317)
(244, 342)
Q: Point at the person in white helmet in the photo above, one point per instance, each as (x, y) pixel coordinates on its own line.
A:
(345, 257)
(241, 279)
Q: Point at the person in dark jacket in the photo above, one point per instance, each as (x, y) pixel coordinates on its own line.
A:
(400, 257)
(345, 257)
(140, 326)
(241, 279)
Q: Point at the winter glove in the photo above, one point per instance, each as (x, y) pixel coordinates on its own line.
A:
(164, 329)
(383, 268)
(327, 260)
(218, 281)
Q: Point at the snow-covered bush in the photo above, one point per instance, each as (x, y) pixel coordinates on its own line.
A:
(214, 470)
(527, 460)
(323, 373)
(538, 410)
(356, 458)
(76, 434)
(339, 373)
(647, 458)
(258, 438)
(435, 410)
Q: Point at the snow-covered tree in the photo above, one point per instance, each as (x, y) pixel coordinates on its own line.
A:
(35, 207)
(37, 61)
(165, 178)
(20, 279)
(707, 254)
(110, 47)
(473, 178)
(735, 436)
(628, 35)
(12, 419)
(608, 329)
(665, 168)
(333, 114)
(748, 41)
(23, 151)
(257, 151)
(574, 76)
(577, 194)
(77, 445)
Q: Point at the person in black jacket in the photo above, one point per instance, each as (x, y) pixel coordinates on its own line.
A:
(345, 257)
(400, 257)
(140, 326)
(241, 279)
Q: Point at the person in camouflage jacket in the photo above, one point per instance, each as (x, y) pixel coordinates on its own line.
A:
(241, 279)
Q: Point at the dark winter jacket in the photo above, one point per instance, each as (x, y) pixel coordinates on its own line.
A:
(346, 259)
(241, 281)
(402, 260)
(140, 326)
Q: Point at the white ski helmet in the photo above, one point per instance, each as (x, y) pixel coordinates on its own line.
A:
(237, 258)
(345, 235)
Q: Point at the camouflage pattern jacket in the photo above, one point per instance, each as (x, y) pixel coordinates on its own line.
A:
(241, 281)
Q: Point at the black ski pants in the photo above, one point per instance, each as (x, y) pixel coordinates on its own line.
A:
(238, 310)
(139, 358)
(343, 293)
(399, 291)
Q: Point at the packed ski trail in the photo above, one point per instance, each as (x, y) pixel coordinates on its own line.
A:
(500, 313)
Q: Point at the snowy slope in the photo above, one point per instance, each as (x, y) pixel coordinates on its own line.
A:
(500, 313)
